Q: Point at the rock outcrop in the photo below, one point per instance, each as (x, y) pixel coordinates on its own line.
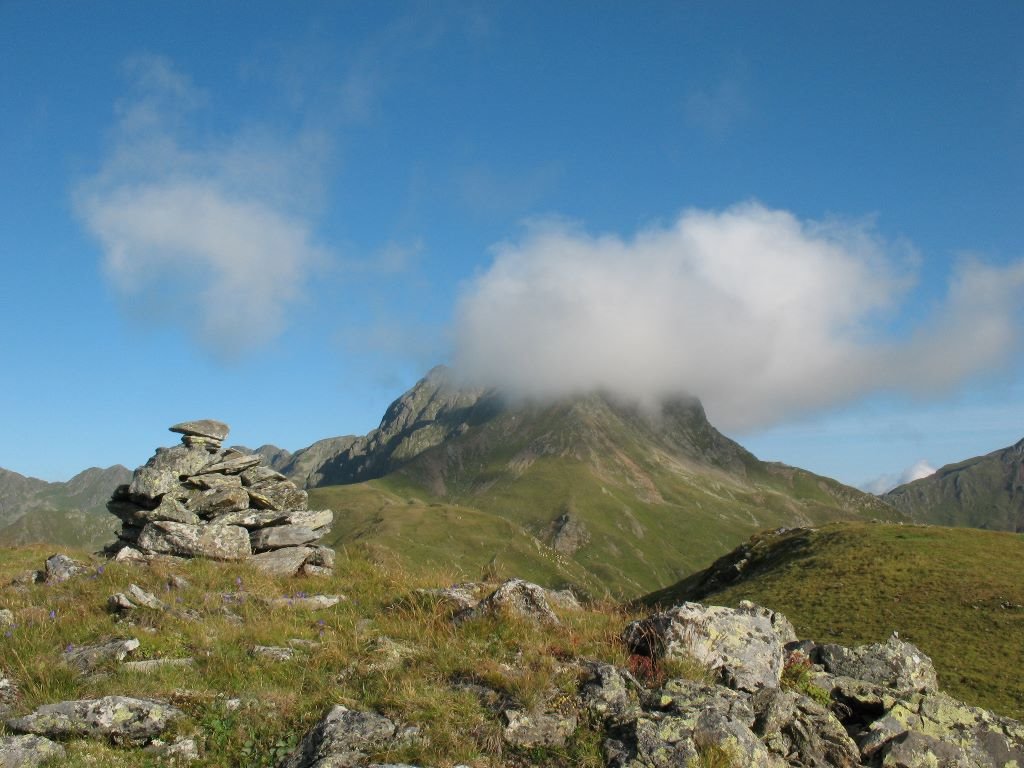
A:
(199, 499)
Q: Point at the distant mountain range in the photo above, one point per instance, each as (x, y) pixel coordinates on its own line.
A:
(983, 492)
(71, 513)
(588, 490)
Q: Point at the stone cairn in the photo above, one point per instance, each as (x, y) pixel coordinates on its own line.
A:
(198, 499)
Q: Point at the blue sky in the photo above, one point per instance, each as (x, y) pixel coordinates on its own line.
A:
(282, 215)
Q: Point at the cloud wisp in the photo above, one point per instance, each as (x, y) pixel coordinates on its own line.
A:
(885, 483)
(205, 233)
(763, 316)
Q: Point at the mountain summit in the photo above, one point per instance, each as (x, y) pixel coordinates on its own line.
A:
(587, 489)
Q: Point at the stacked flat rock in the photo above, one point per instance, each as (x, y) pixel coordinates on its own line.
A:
(199, 499)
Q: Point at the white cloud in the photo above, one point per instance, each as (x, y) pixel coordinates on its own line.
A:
(885, 483)
(205, 234)
(761, 315)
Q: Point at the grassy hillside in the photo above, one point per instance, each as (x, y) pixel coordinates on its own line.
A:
(956, 593)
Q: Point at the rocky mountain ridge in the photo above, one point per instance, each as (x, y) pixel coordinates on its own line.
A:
(981, 492)
(64, 513)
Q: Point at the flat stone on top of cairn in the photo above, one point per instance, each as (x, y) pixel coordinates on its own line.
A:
(215, 430)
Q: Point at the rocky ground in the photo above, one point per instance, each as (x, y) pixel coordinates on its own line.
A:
(691, 686)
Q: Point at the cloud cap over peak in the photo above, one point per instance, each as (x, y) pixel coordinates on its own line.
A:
(760, 314)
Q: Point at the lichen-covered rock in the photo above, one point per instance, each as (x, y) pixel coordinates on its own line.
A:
(28, 751)
(273, 652)
(611, 694)
(280, 536)
(8, 695)
(514, 597)
(260, 474)
(86, 658)
(744, 646)
(149, 484)
(529, 730)
(217, 430)
(794, 727)
(987, 739)
(459, 596)
(251, 518)
(136, 515)
(231, 463)
(280, 494)
(219, 501)
(216, 542)
(343, 738)
(179, 460)
(121, 719)
(60, 568)
(214, 481)
(282, 562)
(308, 602)
(894, 664)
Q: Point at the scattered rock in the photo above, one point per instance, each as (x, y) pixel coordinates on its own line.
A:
(28, 751)
(120, 719)
(136, 597)
(273, 652)
(459, 596)
(8, 695)
(514, 597)
(537, 729)
(181, 751)
(146, 666)
(308, 602)
(342, 739)
(60, 568)
(87, 658)
(6, 617)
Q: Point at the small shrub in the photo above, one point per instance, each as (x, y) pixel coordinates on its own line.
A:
(798, 675)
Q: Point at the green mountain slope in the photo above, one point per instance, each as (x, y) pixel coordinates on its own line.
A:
(983, 492)
(588, 490)
(957, 593)
(71, 513)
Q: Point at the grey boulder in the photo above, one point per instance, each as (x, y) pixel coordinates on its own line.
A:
(895, 664)
(744, 647)
(216, 542)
